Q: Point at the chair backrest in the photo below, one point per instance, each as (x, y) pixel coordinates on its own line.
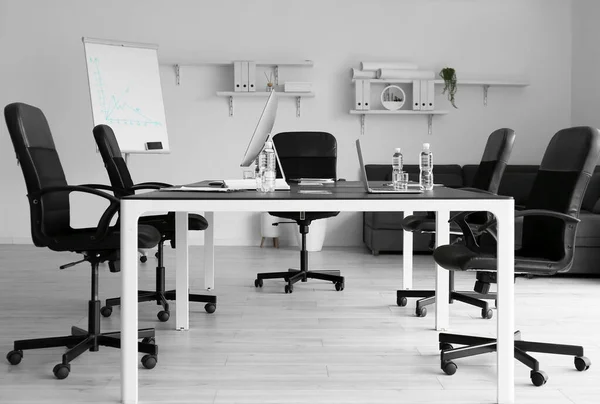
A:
(118, 173)
(307, 154)
(559, 186)
(39, 161)
(494, 160)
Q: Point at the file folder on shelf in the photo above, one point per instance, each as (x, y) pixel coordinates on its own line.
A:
(416, 104)
(430, 95)
(244, 75)
(358, 88)
(251, 76)
(237, 76)
(423, 87)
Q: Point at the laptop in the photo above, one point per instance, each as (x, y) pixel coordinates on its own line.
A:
(386, 188)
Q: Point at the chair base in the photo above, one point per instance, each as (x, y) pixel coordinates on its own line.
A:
(295, 275)
(161, 299)
(480, 345)
(428, 298)
(81, 341)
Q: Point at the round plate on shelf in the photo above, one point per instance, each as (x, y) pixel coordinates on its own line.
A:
(393, 97)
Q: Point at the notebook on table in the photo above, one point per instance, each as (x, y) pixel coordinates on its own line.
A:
(384, 189)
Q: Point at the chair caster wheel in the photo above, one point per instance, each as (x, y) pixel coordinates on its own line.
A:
(402, 301)
(61, 371)
(163, 315)
(289, 289)
(106, 311)
(149, 361)
(421, 311)
(487, 314)
(581, 363)
(14, 357)
(444, 346)
(538, 378)
(258, 283)
(210, 308)
(339, 286)
(148, 340)
(449, 367)
(143, 259)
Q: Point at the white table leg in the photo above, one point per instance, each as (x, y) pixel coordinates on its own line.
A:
(209, 251)
(442, 278)
(182, 286)
(506, 303)
(129, 305)
(407, 257)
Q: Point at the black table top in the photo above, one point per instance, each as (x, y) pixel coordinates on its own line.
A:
(341, 190)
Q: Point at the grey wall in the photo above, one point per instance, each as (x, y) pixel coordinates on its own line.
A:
(42, 63)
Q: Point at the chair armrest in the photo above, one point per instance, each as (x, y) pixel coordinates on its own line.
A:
(155, 185)
(99, 186)
(534, 212)
(104, 222)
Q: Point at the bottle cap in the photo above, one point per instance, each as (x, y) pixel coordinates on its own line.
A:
(426, 146)
(268, 144)
(397, 150)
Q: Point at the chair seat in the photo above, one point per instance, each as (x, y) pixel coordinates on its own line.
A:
(82, 239)
(166, 223)
(309, 216)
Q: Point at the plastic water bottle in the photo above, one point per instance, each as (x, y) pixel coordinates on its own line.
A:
(396, 167)
(426, 166)
(268, 175)
(260, 163)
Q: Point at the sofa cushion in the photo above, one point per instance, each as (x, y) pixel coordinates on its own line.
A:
(588, 230)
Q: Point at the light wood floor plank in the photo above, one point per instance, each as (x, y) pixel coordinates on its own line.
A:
(313, 346)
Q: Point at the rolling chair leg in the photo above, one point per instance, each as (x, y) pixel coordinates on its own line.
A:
(160, 295)
(85, 340)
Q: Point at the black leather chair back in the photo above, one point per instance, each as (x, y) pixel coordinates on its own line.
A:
(39, 161)
(494, 160)
(118, 173)
(307, 154)
(559, 186)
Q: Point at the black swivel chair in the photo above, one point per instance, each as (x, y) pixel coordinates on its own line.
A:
(549, 225)
(487, 178)
(122, 185)
(305, 155)
(48, 195)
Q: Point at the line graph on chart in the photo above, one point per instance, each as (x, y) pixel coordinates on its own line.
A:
(116, 108)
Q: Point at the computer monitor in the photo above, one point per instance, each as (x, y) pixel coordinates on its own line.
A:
(262, 131)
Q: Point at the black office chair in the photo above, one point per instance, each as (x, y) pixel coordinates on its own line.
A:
(549, 225)
(305, 155)
(487, 178)
(122, 185)
(48, 195)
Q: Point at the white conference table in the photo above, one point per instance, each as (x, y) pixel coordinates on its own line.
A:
(344, 197)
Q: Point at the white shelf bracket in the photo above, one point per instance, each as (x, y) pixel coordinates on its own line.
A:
(298, 107)
(362, 125)
(276, 75)
(230, 105)
(177, 75)
(486, 87)
(430, 124)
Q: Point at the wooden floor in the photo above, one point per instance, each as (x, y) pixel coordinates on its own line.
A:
(313, 346)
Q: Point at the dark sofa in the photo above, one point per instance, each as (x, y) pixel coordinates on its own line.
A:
(382, 231)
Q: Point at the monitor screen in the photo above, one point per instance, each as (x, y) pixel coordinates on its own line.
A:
(262, 131)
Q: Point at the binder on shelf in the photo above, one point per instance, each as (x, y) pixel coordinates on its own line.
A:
(358, 87)
(423, 87)
(430, 95)
(416, 105)
(244, 75)
(237, 76)
(366, 94)
(251, 76)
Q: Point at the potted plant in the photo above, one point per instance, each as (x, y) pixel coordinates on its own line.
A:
(448, 74)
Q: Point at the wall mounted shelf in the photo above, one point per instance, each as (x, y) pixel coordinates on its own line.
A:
(178, 65)
(429, 114)
(263, 94)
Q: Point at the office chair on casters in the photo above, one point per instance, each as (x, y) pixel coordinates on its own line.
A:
(122, 185)
(305, 155)
(48, 194)
(486, 179)
(549, 225)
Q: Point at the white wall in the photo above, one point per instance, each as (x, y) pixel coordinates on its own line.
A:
(585, 80)
(42, 63)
